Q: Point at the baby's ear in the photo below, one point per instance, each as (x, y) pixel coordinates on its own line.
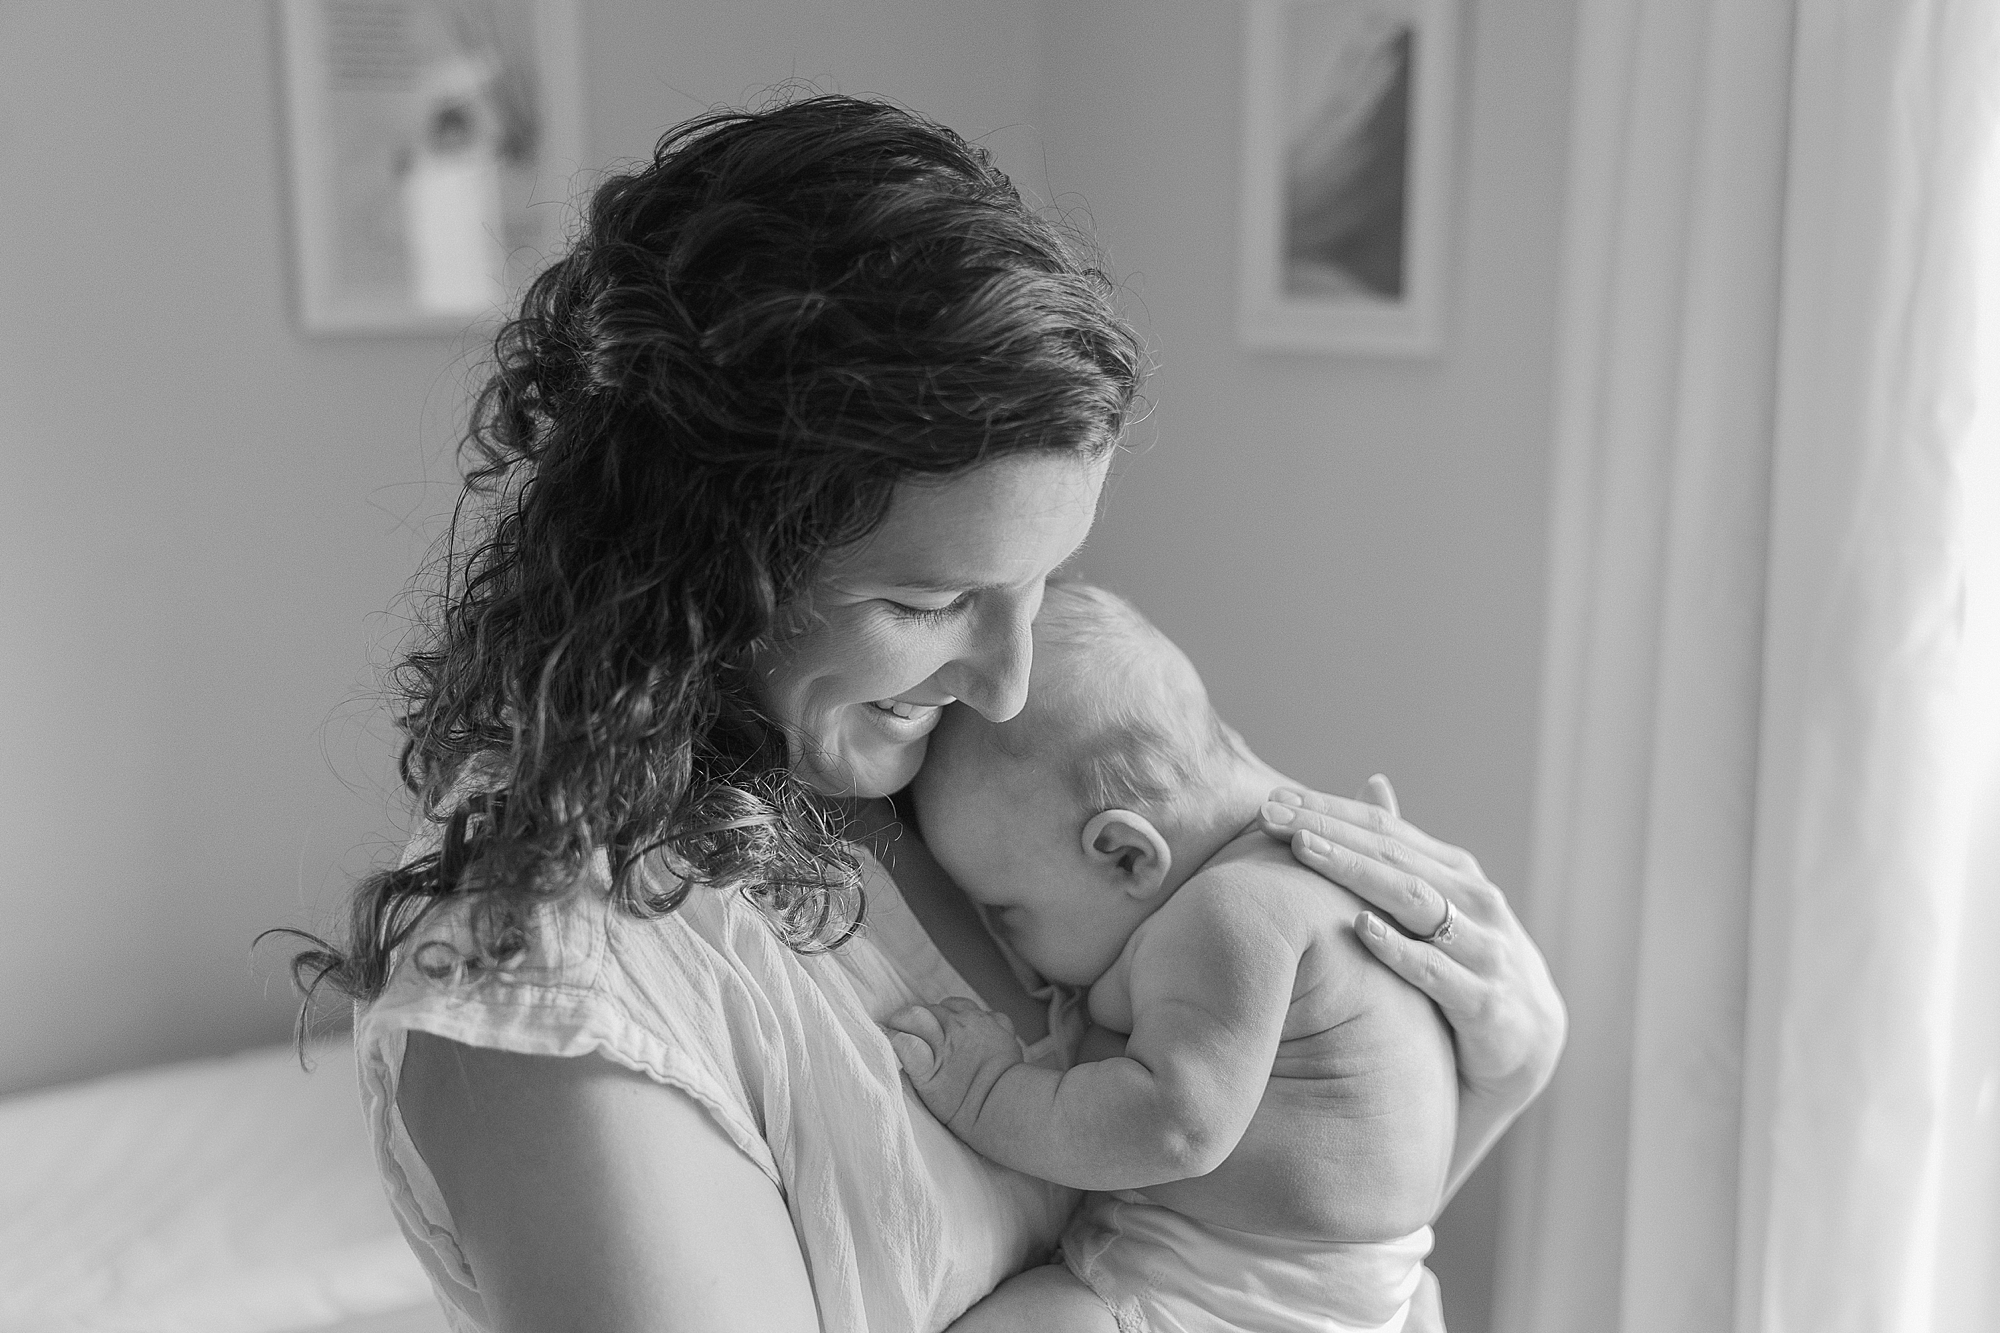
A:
(1128, 848)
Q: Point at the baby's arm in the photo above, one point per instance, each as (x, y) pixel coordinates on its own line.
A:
(1211, 978)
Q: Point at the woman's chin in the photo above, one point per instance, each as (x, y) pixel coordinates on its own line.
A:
(862, 772)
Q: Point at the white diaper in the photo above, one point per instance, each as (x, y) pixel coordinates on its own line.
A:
(1163, 1272)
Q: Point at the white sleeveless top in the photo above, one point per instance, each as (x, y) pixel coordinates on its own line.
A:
(902, 1226)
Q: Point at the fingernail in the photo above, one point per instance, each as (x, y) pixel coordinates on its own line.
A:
(1313, 843)
(1278, 814)
(1371, 925)
(1288, 796)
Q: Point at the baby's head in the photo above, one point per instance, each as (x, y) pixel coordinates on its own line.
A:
(1074, 820)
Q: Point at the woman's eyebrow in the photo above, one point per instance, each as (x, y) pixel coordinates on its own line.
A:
(924, 583)
(935, 583)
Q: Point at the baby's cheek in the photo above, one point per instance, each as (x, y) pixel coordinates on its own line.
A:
(1053, 949)
(961, 834)
(934, 792)
(1092, 946)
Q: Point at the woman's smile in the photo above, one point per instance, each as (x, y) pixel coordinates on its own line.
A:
(906, 710)
(904, 720)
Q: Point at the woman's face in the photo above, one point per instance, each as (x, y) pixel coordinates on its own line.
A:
(934, 606)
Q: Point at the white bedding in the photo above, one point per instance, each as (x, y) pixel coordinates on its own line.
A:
(220, 1196)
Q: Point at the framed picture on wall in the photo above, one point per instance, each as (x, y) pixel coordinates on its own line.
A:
(1348, 112)
(433, 145)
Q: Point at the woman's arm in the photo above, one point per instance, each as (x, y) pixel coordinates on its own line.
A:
(591, 1199)
(1487, 977)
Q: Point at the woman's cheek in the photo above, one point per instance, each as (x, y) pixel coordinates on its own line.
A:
(907, 653)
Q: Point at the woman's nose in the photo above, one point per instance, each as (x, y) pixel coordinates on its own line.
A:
(993, 677)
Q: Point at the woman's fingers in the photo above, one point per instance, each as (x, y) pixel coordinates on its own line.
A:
(1391, 872)
(1354, 863)
(1447, 981)
(1422, 884)
(1377, 817)
(1507, 1019)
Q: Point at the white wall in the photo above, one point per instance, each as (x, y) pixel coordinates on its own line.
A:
(203, 523)
(1351, 550)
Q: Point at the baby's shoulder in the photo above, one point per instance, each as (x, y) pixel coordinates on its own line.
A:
(1258, 877)
(1255, 884)
(1263, 903)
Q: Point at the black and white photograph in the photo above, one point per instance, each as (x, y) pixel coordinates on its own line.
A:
(940, 666)
(1347, 172)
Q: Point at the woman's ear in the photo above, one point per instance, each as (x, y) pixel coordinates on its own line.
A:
(1127, 847)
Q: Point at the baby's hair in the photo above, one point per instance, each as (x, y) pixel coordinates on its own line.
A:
(1123, 702)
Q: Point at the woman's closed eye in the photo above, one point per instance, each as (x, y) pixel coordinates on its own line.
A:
(930, 613)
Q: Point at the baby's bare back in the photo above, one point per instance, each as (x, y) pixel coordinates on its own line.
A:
(1352, 1139)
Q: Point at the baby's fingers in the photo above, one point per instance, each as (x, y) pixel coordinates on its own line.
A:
(918, 1021)
(919, 1061)
(916, 1036)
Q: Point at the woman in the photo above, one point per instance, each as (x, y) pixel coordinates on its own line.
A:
(780, 457)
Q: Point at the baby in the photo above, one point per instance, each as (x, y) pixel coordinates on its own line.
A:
(1272, 1140)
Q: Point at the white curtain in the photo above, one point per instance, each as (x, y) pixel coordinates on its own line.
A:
(1768, 841)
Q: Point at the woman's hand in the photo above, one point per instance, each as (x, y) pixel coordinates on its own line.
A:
(1454, 938)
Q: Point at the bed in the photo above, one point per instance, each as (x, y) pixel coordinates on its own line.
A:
(235, 1195)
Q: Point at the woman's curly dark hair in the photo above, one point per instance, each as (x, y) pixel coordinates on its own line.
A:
(755, 337)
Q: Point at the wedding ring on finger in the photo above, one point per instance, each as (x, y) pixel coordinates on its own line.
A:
(1446, 928)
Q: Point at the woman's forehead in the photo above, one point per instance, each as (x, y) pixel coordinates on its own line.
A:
(1006, 523)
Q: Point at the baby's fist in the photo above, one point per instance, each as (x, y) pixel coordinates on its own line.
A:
(954, 1053)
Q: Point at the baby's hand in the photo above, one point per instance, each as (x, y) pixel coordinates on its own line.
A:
(953, 1053)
